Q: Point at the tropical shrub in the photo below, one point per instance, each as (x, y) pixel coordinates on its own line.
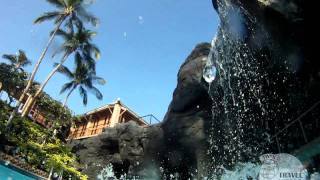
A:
(38, 146)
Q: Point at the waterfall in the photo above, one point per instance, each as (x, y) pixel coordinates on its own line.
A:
(240, 108)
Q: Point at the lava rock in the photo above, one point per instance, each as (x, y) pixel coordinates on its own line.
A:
(188, 119)
(124, 147)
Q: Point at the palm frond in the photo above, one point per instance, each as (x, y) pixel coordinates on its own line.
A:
(67, 86)
(78, 59)
(98, 80)
(86, 16)
(57, 51)
(23, 59)
(58, 19)
(10, 57)
(47, 16)
(73, 2)
(64, 70)
(84, 95)
(63, 34)
(92, 49)
(89, 61)
(57, 3)
(87, 83)
(96, 92)
(74, 20)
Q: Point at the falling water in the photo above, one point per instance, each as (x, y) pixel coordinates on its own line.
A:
(240, 112)
(106, 173)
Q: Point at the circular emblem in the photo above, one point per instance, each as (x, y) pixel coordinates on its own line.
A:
(281, 166)
(269, 169)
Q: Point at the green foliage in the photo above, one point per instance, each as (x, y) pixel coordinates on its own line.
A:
(54, 111)
(72, 11)
(18, 60)
(13, 81)
(37, 144)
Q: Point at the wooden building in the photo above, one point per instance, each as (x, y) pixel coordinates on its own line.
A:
(93, 122)
(35, 114)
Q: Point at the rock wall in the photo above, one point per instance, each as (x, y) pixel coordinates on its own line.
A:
(123, 146)
(188, 119)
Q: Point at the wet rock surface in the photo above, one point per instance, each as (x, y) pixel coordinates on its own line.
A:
(267, 78)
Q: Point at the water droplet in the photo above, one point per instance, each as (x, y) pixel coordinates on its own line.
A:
(209, 73)
(140, 20)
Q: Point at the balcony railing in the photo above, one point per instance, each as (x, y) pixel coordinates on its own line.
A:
(150, 119)
(299, 132)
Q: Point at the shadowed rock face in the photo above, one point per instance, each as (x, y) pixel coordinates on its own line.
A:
(124, 146)
(188, 118)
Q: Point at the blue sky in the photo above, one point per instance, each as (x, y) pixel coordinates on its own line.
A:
(143, 44)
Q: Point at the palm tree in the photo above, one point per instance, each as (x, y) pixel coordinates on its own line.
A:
(69, 11)
(83, 78)
(12, 80)
(19, 60)
(77, 43)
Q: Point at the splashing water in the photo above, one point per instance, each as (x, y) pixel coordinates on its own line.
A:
(242, 171)
(239, 106)
(106, 173)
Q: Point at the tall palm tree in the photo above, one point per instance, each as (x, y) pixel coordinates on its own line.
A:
(18, 60)
(77, 43)
(81, 77)
(69, 11)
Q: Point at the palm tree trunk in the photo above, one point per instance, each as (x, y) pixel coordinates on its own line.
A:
(1, 92)
(34, 71)
(27, 107)
(66, 99)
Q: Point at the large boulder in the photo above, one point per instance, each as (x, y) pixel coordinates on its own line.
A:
(188, 119)
(123, 147)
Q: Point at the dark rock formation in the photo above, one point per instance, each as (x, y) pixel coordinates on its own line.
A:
(188, 118)
(123, 146)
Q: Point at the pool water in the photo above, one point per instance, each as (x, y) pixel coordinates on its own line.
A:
(7, 173)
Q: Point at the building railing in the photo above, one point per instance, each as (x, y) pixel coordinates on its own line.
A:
(150, 119)
(302, 131)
